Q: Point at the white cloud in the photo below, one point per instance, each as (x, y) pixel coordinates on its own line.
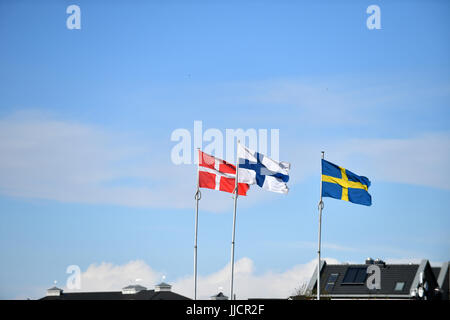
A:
(110, 277)
(248, 284)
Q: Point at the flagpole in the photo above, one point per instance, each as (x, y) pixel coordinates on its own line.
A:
(320, 231)
(234, 224)
(197, 198)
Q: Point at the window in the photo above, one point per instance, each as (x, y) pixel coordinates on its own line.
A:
(399, 286)
(355, 275)
(331, 281)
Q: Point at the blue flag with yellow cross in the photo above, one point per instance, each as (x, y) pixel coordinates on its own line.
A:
(340, 183)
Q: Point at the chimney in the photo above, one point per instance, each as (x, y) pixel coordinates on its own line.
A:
(163, 287)
(380, 262)
(54, 292)
(133, 289)
(219, 296)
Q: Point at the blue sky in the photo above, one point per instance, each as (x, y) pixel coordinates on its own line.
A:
(86, 118)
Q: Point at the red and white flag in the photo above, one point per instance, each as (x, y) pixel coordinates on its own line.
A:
(217, 174)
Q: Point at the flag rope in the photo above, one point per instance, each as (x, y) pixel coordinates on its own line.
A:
(197, 197)
(236, 194)
(320, 207)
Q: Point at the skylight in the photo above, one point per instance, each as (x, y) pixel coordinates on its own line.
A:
(331, 281)
(399, 286)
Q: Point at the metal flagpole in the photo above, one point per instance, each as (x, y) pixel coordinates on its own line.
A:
(234, 225)
(320, 230)
(197, 198)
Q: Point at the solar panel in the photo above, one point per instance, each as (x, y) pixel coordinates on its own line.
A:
(350, 275)
(361, 275)
(355, 275)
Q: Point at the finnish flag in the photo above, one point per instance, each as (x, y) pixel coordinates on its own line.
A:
(256, 168)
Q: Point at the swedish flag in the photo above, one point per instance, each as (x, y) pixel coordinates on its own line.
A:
(340, 183)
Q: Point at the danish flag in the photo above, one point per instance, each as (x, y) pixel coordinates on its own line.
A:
(217, 174)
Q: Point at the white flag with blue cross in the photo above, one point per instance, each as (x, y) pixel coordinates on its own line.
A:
(256, 168)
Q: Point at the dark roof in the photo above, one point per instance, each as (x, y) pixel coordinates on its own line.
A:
(135, 286)
(117, 295)
(219, 295)
(436, 271)
(163, 286)
(390, 276)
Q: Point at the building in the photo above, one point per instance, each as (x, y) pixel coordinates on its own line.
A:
(162, 291)
(397, 281)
